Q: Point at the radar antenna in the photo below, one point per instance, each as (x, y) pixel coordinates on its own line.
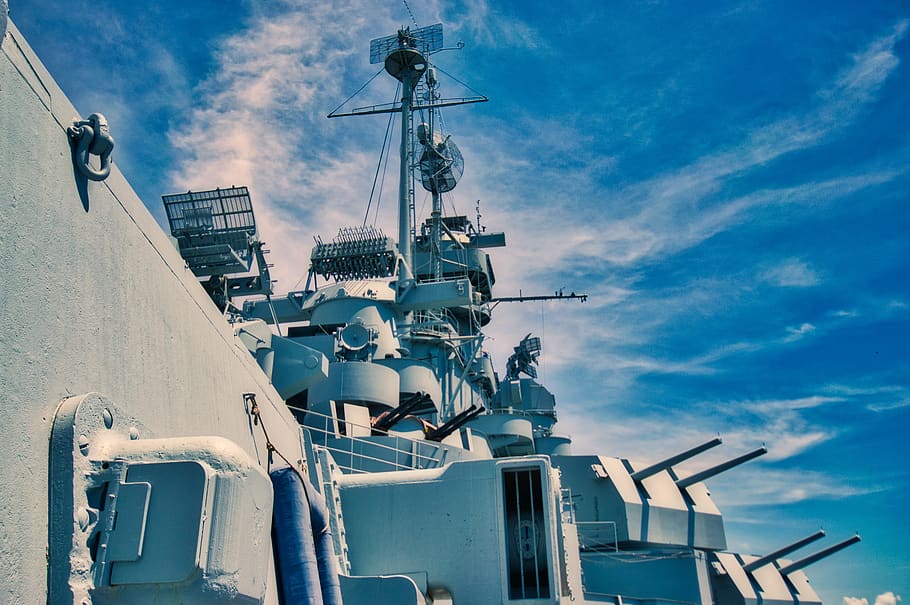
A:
(405, 56)
(424, 40)
(524, 358)
(217, 237)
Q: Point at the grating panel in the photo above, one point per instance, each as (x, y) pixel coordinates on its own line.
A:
(214, 229)
(526, 542)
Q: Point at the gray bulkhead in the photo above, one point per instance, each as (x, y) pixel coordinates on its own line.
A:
(98, 300)
(461, 528)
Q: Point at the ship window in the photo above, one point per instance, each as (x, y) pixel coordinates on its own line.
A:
(526, 535)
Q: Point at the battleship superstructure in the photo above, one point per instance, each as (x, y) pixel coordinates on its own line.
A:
(350, 441)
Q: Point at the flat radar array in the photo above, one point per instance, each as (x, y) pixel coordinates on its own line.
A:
(406, 54)
(214, 229)
(425, 40)
(217, 237)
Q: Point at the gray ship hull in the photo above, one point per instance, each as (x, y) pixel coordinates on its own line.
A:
(97, 300)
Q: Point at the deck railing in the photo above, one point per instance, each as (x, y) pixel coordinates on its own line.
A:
(597, 536)
(358, 448)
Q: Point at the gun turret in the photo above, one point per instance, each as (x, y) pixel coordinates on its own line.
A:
(716, 470)
(782, 552)
(826, 552)
(391, 418)
(676, 459)
(440, 433)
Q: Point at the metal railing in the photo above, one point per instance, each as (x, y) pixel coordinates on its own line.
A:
(597, 536)
(369, 452)
(440, 323)
(618, 599)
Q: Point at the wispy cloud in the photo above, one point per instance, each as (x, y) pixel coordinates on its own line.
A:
(798, 333)
(791, 272)
(260, 121)
(480, 20)
(870, 68)
(769, 487)
(781, 424)
(680, 209)
(875, 398)
(889, 406)
(743, 425)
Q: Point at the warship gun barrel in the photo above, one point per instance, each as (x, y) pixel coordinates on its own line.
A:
(716, 470)
(455, 423)
(676, 459)
(393, 417)
(782, 552)
(826, 552)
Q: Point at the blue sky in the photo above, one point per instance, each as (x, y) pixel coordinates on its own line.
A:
(728, 181)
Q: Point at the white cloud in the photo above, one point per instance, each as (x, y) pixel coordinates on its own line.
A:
(887, 598)
(783, 425)
(259, 121)
(889, 405)
(489, 29)
(801, 403)
(749, 485)
(791, 272)
(798, 333)
(871, 67)
(875, 398)
(677, 210)
(759, 481)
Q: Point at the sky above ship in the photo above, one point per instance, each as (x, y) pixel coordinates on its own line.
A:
(728, 182)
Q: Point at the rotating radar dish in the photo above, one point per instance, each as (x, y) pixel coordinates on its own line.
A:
(441, 164)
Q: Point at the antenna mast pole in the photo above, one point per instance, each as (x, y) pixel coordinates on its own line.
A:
(436, 215)
(406, 63)
(404, 211)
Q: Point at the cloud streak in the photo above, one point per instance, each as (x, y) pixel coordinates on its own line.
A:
(680, 209)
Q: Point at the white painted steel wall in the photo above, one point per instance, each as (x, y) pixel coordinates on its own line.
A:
(95, 298)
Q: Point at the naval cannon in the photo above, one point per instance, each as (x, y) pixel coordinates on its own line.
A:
(783, 552)
(770, 579)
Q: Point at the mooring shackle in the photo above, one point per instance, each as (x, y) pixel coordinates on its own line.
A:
(92, 136)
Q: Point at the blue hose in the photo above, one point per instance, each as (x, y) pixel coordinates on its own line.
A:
(304, 552)
(295, 553)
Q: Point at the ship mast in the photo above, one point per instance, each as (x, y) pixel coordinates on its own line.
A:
(406, 64)
(405, 56)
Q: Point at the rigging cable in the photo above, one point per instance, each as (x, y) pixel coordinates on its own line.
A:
(343, 103)
(249, 400)
(543, 336)
(385, 171)
(381, 186)
(386, 142)
(459, 81)
(405, 2)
